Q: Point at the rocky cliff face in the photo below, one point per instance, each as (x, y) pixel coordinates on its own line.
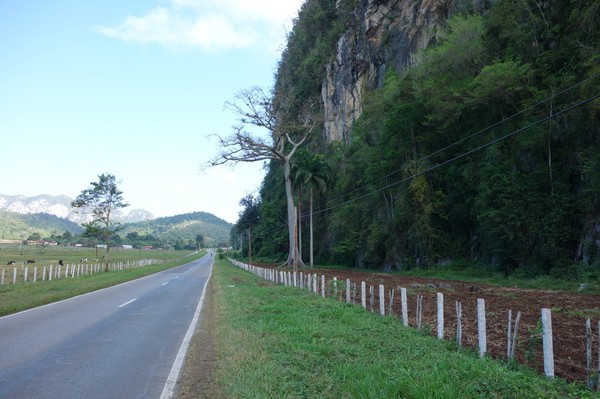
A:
(387, 34)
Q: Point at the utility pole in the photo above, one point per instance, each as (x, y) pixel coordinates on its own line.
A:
(250, 246)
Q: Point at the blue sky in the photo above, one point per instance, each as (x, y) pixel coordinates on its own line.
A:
(133, 88)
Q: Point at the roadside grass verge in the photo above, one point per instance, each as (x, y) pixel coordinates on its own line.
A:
(23, 296)
(282, 342)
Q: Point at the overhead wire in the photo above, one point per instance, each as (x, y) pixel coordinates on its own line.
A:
(412, 176)
(481, 131)
(460, 156)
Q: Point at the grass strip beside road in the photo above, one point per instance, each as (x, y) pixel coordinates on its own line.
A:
(23, 296)
(272, 341)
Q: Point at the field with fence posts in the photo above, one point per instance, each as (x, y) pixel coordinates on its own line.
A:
(33, 263)
(554, 332)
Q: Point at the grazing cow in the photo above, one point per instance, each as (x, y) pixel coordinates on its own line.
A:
(29, 261)
(11, 263)
(83, 260)
(60, 262)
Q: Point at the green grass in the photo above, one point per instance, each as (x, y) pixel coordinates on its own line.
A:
(22, 296)
(46, 255)
(282, 342)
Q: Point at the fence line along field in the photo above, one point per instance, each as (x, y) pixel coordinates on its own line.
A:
(23, 263)
(459, 308)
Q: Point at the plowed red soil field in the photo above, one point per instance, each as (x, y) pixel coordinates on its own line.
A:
(569, 314)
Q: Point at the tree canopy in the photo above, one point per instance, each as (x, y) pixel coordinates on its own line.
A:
(485, 152)
(100, 201)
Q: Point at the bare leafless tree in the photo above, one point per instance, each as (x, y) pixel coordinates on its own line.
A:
(256, 108)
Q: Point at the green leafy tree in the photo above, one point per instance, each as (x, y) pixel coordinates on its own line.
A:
(312, 171)
(100, 201)
(199, 241)
(34, 237)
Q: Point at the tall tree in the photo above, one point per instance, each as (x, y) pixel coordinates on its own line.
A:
(256, 108)
(313, 172)
(100, 201)
(199, 241)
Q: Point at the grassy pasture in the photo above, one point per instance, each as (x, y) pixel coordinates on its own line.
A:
(45, 255)
(22, 296)
(273, 341)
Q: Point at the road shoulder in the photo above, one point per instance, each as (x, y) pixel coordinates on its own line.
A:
(198, 377)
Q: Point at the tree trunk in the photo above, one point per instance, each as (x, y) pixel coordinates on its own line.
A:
(294, 258)
(311, 227)
(299, 223)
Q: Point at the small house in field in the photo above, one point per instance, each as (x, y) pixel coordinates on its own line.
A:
(148, 247)
(126, 246)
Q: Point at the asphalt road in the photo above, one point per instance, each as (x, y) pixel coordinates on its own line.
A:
(119, 342)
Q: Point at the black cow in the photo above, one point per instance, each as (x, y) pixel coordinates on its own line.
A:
(11, 262)
(29, 261)
(60, 262)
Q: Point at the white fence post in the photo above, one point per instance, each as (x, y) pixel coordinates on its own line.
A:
(381, 300)
(404, 306)
(547, 342)
(458, 324)
(323, 285)
(363, 294)
(440, 315)
(481, 327)
(348, 287)
(35, 274)
(14, 275)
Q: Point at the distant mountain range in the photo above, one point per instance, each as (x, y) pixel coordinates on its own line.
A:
(60, 206)
(21, 216)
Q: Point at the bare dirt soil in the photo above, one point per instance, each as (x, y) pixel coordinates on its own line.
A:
(569, 313)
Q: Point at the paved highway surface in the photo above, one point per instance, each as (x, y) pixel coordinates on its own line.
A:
(119, 342)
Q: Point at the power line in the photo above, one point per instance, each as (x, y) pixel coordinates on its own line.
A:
(503, 121)
(551, 116)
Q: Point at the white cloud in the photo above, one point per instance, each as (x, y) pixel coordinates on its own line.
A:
(211, 25)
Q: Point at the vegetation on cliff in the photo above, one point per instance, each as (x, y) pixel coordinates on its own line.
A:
(486, 150)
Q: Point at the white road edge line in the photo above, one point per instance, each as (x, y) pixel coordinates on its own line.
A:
(163, 284)
(126, 303)
(171, 383)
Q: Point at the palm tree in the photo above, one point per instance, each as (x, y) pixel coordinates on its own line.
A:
(313, 172)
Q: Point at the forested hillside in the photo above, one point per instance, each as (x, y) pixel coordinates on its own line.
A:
(180, 230)
(480, 143)
(15, 226)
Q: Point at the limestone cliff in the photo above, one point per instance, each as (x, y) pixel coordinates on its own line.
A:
(386, 34)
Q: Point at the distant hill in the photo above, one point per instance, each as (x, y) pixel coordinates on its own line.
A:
(60, 206)
(21, 216)
(184, 227)
(15, 226)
